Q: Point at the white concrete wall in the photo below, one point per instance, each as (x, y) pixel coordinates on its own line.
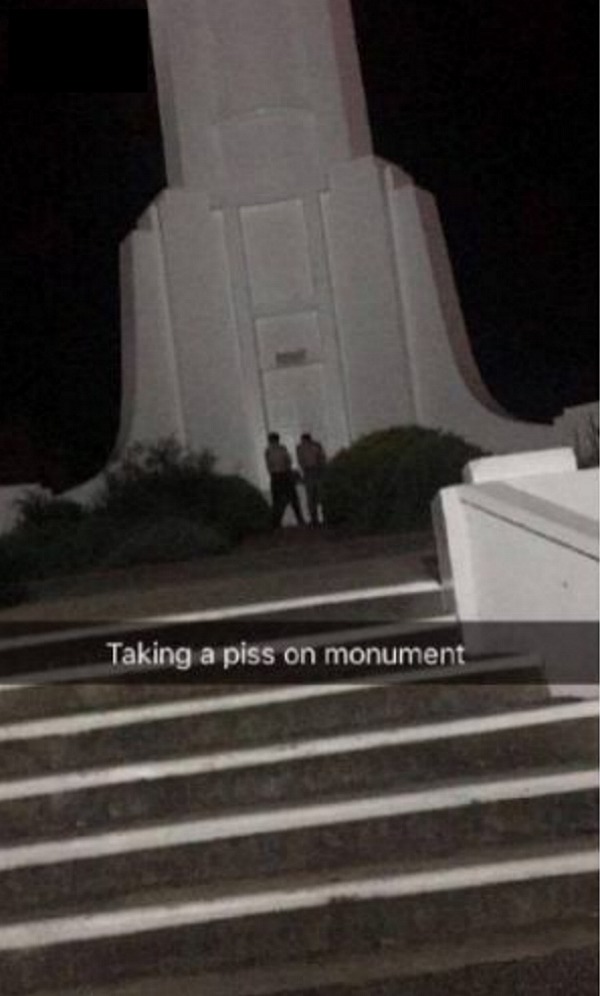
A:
(522, 465)
(258, 97)
(151, 397)
(240, 315)
(215, 371)
(321, 313)
(524, 549)
(370, 328)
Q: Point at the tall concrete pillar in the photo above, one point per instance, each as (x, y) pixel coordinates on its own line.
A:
(287, 278)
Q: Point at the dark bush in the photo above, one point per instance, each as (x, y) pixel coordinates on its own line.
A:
(44, 540)
(235, 507)
(166, 481)
(13, 576)
(39, 511)
(166, 541)
(387, 480)
(159, 480)
(161, 503)
(54, 536)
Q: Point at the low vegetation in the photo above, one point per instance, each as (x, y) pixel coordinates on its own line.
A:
(164, 503)
(385, 481)
(160, 503)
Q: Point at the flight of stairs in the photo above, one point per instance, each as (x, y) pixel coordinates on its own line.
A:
(415, 837)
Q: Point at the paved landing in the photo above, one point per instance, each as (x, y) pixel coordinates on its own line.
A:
(292, 563)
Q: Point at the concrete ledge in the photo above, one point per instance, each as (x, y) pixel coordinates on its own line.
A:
(554, 522)
(556, 461)
(520, 546)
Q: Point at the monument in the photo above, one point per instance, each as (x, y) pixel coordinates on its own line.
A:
(287, 278)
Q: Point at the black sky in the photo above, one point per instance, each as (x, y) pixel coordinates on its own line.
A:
(491, 105)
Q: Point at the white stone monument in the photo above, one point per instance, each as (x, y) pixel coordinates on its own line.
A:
(287, 278)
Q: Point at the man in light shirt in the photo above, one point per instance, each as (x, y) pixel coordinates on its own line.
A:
(311, 460)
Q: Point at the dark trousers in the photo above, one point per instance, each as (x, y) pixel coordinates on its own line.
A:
(283, 493)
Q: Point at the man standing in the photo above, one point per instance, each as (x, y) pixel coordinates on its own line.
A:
(283, 481)
(312, 460)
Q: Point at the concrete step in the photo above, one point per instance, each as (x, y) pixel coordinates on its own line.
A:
(204, 722)
(410, 829)
(574, 970)
(94, 691)
(332, 917)
(36, 700)
(44, 650)
(238, 839)
(564, 961)
(389, 758)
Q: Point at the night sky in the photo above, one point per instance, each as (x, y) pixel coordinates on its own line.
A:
(491, 105)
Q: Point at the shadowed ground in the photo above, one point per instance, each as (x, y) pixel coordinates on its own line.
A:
(291, 563)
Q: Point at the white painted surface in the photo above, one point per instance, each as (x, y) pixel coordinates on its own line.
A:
(289, 898)
(524, 549)
(521, 465)
(283, 753)
(369, 320)
(151, 401)
(257, 98)
(278, 820)
(278, 256)
(453, 542)
(553, 521)
(214, 375)
(578, 494)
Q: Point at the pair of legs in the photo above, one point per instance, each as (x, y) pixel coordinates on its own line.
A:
(283, 493)
(312, 483)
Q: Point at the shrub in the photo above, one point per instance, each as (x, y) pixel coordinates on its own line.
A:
(166, 541)
(44, 540)
(56, 536)
(161, 503)
(40, 511)
(235, 507)
(167, 481)
(156, 480)
(13, 575)
(387, 480)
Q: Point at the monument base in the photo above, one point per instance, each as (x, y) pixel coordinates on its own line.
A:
(332, 312)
